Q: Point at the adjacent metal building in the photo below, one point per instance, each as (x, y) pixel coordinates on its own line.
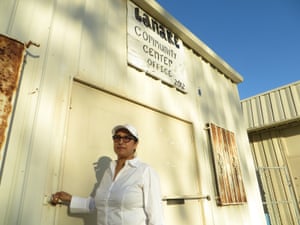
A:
(87, 65)
(273, 120)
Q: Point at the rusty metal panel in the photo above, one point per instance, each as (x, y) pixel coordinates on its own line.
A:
(227, 166)
(11, 59)
(276, 106)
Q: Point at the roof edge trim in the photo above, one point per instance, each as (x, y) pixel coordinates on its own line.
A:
(189, 38)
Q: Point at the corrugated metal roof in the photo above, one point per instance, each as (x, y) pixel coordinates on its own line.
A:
(276, 107)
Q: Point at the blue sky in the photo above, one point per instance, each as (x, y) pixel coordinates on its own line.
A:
(260, 39)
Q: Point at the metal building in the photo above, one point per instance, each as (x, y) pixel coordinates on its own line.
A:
(72, 69)
(273, 121)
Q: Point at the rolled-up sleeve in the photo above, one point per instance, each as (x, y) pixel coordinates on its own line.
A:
(82, 205)
(153, 198)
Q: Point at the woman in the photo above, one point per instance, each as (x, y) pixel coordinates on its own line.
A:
(129, 193)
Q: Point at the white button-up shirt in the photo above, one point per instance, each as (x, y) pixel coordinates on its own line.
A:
(133, 198)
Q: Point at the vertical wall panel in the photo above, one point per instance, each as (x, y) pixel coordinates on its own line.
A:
(275, 180)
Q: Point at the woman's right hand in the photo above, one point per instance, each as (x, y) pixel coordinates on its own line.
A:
(61, 197)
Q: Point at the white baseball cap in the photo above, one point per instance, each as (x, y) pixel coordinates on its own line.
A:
(128, 127)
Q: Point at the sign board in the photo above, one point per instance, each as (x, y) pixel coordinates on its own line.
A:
(155, 49)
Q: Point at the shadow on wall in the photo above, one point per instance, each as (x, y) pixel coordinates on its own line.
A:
(100, 167)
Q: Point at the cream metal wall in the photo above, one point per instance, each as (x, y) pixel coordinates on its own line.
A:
(274, 133)
(86, 41)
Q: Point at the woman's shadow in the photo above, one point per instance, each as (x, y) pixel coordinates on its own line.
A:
(100, 167)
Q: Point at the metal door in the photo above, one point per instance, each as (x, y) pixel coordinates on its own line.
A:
(166, 143)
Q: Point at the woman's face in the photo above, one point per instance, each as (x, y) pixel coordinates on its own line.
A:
(124, 144)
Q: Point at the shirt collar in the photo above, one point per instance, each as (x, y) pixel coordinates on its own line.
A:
(132, 162)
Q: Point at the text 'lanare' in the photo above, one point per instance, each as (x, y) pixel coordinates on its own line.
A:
(156, 27)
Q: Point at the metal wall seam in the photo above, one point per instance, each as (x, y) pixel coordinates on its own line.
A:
(278, 105)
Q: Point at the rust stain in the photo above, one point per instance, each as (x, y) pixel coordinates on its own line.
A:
(11, 60)
(227, 166)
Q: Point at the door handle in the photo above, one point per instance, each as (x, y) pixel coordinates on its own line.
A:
(180, 199)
